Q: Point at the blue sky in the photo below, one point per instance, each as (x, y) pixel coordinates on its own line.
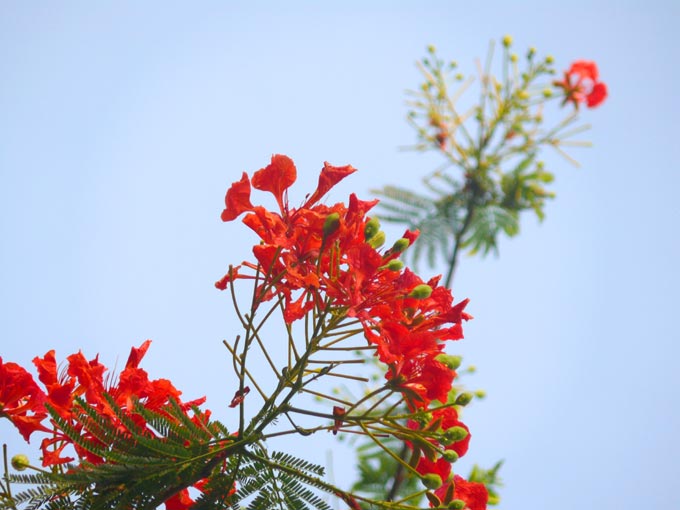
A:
(122, 125)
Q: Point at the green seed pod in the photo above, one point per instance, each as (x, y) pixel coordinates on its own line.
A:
(457, 504)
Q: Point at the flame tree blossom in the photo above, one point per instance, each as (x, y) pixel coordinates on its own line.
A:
(26, 405)
(581, 85)
(330, 258)
(321, 264)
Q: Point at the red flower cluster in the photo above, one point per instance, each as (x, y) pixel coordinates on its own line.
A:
(445, 422)
(330, 258)
(581, 85)
(23, 402)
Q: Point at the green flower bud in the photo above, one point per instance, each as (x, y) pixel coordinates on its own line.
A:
(452, 362)
(20, 462)
(450, 456)
(377, 240)
(331, 224)
(399, 245)
(394, 265)
(431, 48)
(523, 94)
(480, 394)
(549, 59)
(507, 41)
(514, 57)
(531, 52)
(432, 481)
(463, 399)
(547, 92)
(457, 504)
(423, 418)
(422, 291)
(459, 76)
(372, 226)
(453, 435)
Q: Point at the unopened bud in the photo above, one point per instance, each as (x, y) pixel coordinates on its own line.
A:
(549, 59)
(507, 41)
(514, 57)
(20, 462)
(432, 481)
(331, 224)
(422, 291)
(463, 399)
(450, 456)
(377, 240)
(480, 394)
(452, 362)
(394, 265)
(423, 418)
(547, 92)
(457, 504)
(431, 48)
(531, 52)
(372, 227)
(453, 435)
(523, 94)
(399, 245)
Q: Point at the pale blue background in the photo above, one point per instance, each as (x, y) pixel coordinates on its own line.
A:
(123, 123)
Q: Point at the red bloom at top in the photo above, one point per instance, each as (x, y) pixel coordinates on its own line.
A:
(330, 257)
(581, 84)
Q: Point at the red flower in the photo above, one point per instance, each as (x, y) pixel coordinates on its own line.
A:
(443, 419)
(239, 396)
(87, 379)
(474, 494)
(21, 400)
(276, 178)
(237, 199)
(581, 85)
(180, 501)
(338, 415)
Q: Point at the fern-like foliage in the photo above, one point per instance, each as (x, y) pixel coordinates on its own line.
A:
(438, 217)
(148, 461)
